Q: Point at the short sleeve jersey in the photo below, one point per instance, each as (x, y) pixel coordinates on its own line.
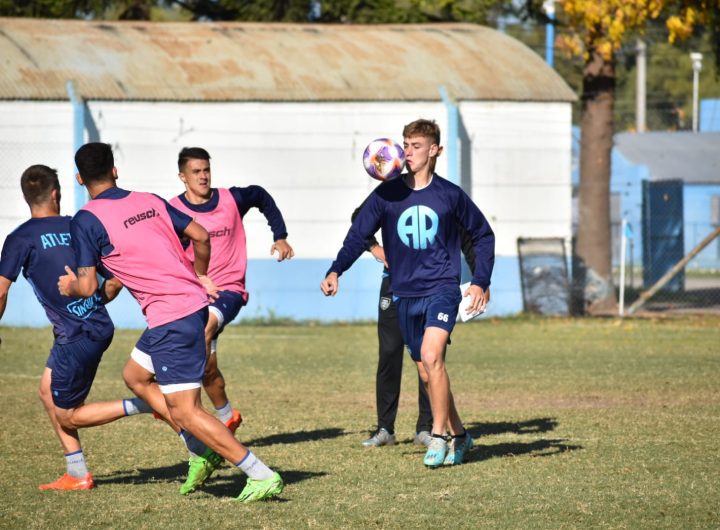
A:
(222, 217)
(135, 235)
(41, 248)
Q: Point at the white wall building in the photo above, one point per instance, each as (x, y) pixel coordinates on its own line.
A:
(291, 108)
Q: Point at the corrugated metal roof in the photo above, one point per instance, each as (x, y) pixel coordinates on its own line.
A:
(268, 62)
(692, 157)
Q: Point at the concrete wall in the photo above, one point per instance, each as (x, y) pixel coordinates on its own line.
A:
(516, 166)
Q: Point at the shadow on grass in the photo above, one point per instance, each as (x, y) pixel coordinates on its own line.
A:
(533, 426)
(535, 449)
(174, 473)
(228, 485)
(295, 437)
(232, 485)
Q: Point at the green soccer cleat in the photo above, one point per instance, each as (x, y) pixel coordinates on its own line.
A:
(457, 449)
(201, 467)
(260, 490)
(435, 455)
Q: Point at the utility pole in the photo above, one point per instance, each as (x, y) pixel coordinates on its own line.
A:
(549, 6)
(696, 66)
(640, 92)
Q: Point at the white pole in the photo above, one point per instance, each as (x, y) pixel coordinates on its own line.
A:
(623, 244)
(696, 66)
(640, 92)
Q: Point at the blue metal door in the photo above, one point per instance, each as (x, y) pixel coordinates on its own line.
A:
(662, 231)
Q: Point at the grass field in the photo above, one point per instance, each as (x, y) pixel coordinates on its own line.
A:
(579, 424)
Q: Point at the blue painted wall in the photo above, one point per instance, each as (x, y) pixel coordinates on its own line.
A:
(626, 180)
(709, 115)
(287, 290)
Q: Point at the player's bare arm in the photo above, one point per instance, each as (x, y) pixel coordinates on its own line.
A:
(5, 284)
(330, 285)
(283, 249)
(110, 289)
(200, 240)
(83, 284)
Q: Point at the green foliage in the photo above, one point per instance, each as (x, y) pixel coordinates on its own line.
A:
(331, 11)
(53, 8)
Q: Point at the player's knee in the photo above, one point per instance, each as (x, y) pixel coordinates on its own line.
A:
(431, 360)
(134, 380)
(65, 418)
(183, 417)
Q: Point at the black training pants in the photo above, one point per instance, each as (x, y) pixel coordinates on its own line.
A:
(389, 371)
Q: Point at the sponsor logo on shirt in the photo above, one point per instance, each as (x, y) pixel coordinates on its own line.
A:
(142, 216)
(220, 233)
(51, 240)
(417, 227)
(84, 307)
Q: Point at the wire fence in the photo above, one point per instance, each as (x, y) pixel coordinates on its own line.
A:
(670, 281)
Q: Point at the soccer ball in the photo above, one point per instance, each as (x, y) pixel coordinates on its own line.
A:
(383, 159)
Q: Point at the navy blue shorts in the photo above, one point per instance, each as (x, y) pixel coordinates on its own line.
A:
(73, 368)
(226, 308)
(415, 314)
(177, 350)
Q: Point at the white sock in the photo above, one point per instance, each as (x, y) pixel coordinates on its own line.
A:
(253, 467)
(134, 406)
(224, 413)
(76, 466)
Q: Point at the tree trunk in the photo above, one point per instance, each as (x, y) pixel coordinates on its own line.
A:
(593, 250)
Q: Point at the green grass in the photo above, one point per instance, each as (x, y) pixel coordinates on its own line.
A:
(579, 424)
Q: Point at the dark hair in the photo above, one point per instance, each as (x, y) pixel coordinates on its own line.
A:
(421, 127)
(94, 162)
(37, 183)
(195, 153)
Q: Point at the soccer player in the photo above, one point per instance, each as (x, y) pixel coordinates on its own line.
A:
(40, 248)
(388, 377)
(418, 214)
(220, 211)
(135, 235)
(391, 351)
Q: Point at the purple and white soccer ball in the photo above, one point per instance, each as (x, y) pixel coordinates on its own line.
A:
(384, 159)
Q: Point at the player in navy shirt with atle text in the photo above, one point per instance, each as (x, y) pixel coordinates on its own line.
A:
(419, 213)
(40, 248)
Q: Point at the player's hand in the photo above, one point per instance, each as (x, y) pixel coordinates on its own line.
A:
(210, 287)
(281, 250)
(378, 253)
(479, 298)
(329, 286)
(65, 281)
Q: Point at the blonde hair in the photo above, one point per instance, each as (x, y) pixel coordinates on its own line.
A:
(422, 127)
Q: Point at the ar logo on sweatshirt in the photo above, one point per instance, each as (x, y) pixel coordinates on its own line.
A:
(417, 227)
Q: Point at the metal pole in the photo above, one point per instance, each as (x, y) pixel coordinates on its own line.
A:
(623, 245)
(452, 137)
(640, 92)
(78, 139)
(696, 66)
(549, 6)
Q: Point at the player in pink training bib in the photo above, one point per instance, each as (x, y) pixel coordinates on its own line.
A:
(136, 236)
(220, 211)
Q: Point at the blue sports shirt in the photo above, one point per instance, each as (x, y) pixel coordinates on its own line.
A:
(40, 248)
(420, 236)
